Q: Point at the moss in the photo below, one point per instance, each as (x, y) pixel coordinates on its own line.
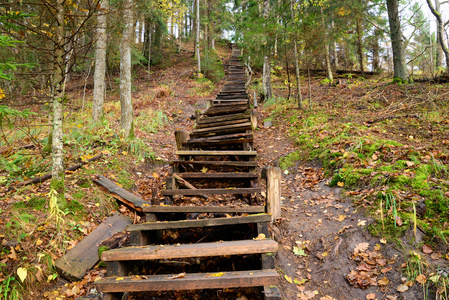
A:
(76, 207)
(27, 218)
(289, 160)
(35, 203)
(59, 187)
(102, 249)
(79, 195)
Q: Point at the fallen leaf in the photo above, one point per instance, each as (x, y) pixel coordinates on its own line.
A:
(391, 297)
(22, 272)
(260, 237)
(377, 247)
(371, 296)
(204, 170)
(289, 280)
(119, 278)
(361, 248)
(399, 221)
(374, 157)
(341, 218)
(299, 251)
(402, 288)
(38, 242)
(426, 249)
(12, 255)
(219, 274)
(361, 223)
(383, 281)
(383, 241)
(435, 256)
(341, 184)
(421, 278)
(300, 282)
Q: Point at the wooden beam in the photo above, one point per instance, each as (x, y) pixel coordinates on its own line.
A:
(274, 192)
(152, 252)
(149, 226)
(216, 152)
(187, 184)
(84, 255)
(188, 281)
(233, 175)
(254, 209)
(215, 163)
(181, 137)
(222, 128)
(198, 192)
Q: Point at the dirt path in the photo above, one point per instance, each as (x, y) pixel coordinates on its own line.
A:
(323, 237)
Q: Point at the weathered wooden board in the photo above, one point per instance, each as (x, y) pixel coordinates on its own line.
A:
(207, 125)
(215, 152)
(189, 192)
(213, 143)
(254, 209)
(221, 248)
(230, 175)
(222, 137)
(84, 255)
(120, 193)
(189, 281)
(250, 219)
(215, 163)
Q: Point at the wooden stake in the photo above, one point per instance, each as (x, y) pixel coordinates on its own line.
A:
(273, 192)
(181, 137)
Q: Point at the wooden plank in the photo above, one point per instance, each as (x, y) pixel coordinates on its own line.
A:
(216, 152)
(193, 281)
(225, 97)
(222, 137)
(215, 143)
(221, 248)
(200, 175)
(187, 184)
(215, 163)
(206, 119)
(222, 128)
(255, 209)
(199, 223)
(216, 103)
(197, 192)
(222, 111)
(222, 132)
(81, 258)
(120, 193)
(215, 124)
(274, 177)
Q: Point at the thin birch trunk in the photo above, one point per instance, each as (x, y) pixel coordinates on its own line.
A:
(440, 29)
(266, 80)
(100, 62)
(295, 48)
(125, 70)
(198, 36)
(326, 49)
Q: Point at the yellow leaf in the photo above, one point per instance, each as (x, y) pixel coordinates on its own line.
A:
(341, 184)
(124, 152)
(383, 241)
(204, 170)
(324, 254)
(119, 278)
(260, 237)
(38, 242)
(341, 218)
(217, 274)
(22, 272)
(421, 278)
(288, 279)
(383, 281)
(377, 247)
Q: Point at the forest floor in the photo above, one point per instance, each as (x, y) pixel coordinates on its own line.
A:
(360, 169)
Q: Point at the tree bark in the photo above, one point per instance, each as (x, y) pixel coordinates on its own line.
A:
(198, 36)
(439, 57)
(359, 47)
(266, 77)
(399, 64)
(57, 171)
(125, 70)
(334, 49)
(295, 48)
(326, 49)
(100, 62)
(440, 29)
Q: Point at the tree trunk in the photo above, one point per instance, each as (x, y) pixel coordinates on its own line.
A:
(359, 47)
(266, 79)
(100, 62)
(57, 171)
(125, 70)
(440, 29)
(326, 49)
(334, 49)
(295, 48)
(198, 36)
(399, 64)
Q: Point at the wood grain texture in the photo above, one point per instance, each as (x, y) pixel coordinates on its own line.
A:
(189, 192)
(217, 152)
(189, 281)
(199, 223)
(209, 209)
(74, 264)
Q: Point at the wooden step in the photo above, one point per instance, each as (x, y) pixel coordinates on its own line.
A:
(222, 123)
(253, 209)
(217, 152)
(239, 129)
(197, 192)
(240, 247)
(222, 137)
(215, 163)
(216, 143)
(239, 116)
(233, 175)
(188, 282)
(225, 97)
(149, 226)
(223, 111)
(241, 126)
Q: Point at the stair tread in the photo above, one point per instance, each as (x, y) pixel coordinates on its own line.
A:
(215, 152)
(190, 281)
(190, 250)
(148, 226)
(189, 192)
(218, 175)
(204, 209)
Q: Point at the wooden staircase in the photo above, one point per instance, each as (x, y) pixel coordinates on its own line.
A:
(214, 212)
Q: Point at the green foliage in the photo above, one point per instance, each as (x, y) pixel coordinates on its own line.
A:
(212, 66)
(151, 121)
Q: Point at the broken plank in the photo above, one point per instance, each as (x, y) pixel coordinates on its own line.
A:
(199, 223)
(253, 209)
(188, 281)
(187, 184)
(120, 193)
(228, 191)
(84, 255)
